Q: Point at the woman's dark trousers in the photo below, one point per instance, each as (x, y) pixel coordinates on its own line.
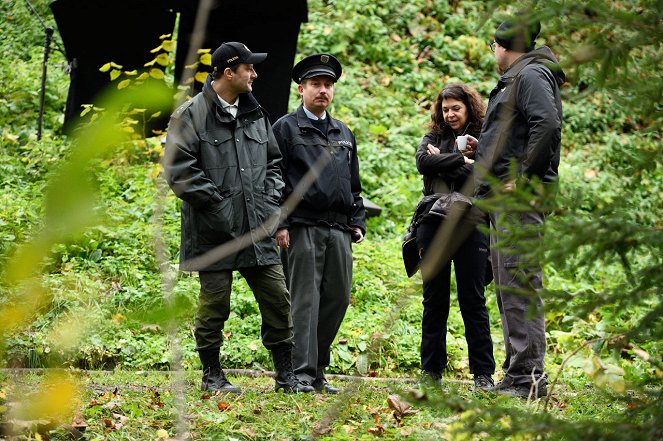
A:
(470, 261)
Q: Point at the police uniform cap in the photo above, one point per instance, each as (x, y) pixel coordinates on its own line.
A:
(317, 65)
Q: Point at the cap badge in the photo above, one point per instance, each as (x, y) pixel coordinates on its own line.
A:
(324, 58)
(230, 60)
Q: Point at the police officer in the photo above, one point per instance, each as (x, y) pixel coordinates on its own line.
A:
(316, 235)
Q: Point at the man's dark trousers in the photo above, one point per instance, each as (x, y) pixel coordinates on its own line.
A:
(269, 289)
(517, 284)
(320, 268)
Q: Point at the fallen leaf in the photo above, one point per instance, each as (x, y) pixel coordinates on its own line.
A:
(79, 423)
(400, 408)
(323, 426)
(162, 433)
(111, 405)
(257, 410)
(377, 430)
(249, 433)
(222, 406)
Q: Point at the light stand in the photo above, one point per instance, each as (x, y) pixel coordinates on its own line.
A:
(42, 96)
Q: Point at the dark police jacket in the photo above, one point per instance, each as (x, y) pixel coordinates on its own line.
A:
(334, 198)
(523, 122)
(226, 172)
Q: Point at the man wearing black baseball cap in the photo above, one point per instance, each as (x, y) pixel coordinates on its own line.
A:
(222, 160)
(316, 236)
(522, 127)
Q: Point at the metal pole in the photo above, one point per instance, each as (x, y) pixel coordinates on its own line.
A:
(42, 96)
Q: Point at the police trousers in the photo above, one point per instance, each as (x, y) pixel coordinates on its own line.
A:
(320, 278)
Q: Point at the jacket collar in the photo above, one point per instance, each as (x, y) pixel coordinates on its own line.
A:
(304, 121)
(247, 102)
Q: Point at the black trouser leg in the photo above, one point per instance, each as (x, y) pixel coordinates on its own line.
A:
(470, 264)
(436, 296)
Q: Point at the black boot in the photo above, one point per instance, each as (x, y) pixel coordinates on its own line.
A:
(285, 379)
(214, 380)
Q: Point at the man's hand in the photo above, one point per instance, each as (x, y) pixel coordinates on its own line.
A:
(283, 238)
(358, 232)
(472, 142)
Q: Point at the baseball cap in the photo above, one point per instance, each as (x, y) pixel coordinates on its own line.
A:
(233, 53)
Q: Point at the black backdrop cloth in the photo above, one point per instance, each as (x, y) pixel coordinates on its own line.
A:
(95, 32)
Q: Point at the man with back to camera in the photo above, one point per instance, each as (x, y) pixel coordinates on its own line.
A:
(316, 236)
(222, 160)
(523, 127)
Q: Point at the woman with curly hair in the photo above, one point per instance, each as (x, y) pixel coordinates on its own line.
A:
(458, 110)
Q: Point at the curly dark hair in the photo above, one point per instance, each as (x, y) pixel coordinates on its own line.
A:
(461, 92)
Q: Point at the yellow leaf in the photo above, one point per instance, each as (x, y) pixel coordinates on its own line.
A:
(123, 84)
(115, 65)
(114, 74)
(131, 72)
(118, 318)
(168, 45)
(157, 73)
(38, 437)
(163, 59)
(143, 76)
(128, 129)
(155, 115)
(191, 66)
(206, 59)
(204, 51)
(105, 68)
(201, 77)
(161, 433)
(55, 400)
(164, 36)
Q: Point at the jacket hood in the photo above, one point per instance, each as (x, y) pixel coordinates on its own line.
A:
(544, 56)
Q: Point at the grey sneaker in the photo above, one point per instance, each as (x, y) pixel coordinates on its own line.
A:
(521, 390)
(483, 382)
(430, 379)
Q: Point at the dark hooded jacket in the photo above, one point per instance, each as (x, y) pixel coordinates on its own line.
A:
(523, 122)
(226, 172)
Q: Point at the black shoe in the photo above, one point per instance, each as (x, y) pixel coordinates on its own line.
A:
(214, 380)
(430, 379)
(322, 385)
(285, 379)
(483, 382)
(521, 390)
